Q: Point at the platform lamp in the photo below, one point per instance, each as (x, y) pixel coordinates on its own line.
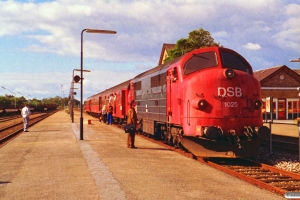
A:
(298, 60)
(81, 70)
(13, 93)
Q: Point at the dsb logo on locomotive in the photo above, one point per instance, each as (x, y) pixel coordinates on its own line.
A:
(230, 91)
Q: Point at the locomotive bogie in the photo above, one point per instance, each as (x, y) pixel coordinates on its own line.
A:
(203, 147)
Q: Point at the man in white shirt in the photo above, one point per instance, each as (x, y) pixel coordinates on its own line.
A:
(25, 114)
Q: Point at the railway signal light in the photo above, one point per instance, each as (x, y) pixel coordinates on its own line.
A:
(76, 78)
(74, 93)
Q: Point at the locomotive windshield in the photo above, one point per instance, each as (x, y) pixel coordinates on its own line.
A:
(235, 61)
(200, 61)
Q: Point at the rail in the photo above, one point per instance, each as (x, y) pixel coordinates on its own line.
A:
(9, 132)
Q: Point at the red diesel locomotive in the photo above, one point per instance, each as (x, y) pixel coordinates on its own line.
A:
(206, 100)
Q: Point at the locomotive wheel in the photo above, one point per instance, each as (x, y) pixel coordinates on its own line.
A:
(264, 132)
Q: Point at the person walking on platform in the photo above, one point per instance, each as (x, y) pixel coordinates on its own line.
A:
(25, 114)
(109, 114)
(131, 119)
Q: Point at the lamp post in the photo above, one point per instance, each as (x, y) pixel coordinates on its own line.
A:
(72, 92)
(72, 103)
(298, 60)
(81, 70)
(13, 93)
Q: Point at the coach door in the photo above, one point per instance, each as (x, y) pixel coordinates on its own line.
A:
(100, 104)
(281, 108)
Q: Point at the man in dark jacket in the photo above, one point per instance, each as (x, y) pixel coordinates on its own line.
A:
(131, 119)
(109, 114)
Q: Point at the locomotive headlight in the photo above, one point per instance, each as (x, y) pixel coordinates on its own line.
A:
(229, 73)
(199, 104)
(257, 104)
(202, 104)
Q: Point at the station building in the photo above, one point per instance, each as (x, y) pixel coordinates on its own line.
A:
(278, 82)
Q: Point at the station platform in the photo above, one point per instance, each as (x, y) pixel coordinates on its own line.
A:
(50, 162)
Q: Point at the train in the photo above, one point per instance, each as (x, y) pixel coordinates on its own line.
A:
(207, 101)
(16, 110)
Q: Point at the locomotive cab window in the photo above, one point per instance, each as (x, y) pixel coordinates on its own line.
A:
(234, 61)
(200, 61)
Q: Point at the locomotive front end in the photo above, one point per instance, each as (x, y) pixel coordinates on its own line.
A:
(223, 113)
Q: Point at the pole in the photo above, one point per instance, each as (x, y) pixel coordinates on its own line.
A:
(72, 102)
(81, 65)
(81, 86)
(298, 124)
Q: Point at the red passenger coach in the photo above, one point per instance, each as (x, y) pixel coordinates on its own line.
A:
(207, 100)
(115, 96)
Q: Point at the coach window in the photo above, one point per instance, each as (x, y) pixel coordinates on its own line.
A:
(235, 61)
(200, 61)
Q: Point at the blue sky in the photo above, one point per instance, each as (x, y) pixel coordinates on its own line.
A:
(40, 40)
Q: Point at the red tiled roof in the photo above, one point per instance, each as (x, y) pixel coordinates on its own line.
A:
(262, 74)
(297, 71)
(166, 47)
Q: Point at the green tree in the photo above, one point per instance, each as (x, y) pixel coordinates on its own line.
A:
(197, 39)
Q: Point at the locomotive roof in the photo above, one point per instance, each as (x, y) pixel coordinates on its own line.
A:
(166, 65)
(157, 68)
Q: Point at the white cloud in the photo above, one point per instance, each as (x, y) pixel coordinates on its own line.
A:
(288, 36)
(252, 46)
(44, 85)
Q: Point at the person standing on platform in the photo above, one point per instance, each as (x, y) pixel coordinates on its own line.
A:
(109, 114)
(131, 119)
(25, 114)
(103, 116)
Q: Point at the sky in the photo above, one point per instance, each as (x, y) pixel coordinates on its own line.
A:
(40, 40)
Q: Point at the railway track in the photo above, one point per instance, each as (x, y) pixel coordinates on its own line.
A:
(264, 176)
(8, 132)
(5, 119)
(281, 142)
